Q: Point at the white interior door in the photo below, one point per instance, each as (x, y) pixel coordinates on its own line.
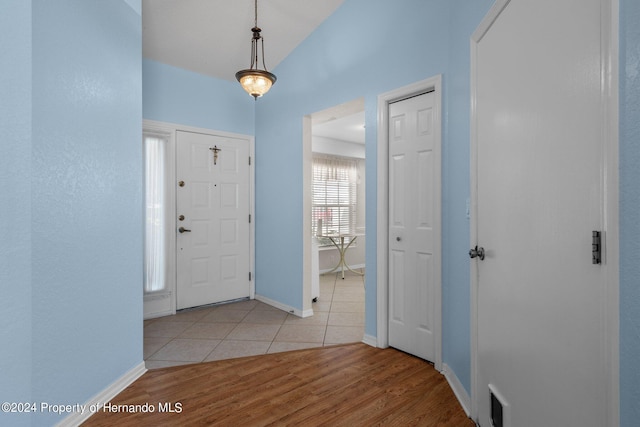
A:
(540, 300)
(212, 196)
(414, 234)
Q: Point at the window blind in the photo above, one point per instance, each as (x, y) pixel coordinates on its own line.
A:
(334, 202)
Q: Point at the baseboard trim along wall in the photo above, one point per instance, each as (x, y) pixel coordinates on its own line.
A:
(284, 307)
(105, 396)
(458, 388)
(370, 340)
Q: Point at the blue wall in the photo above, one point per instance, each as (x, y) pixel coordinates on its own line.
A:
(15, 207)
(355, 55)
(629, 212)
(71, 228)
(175, 95)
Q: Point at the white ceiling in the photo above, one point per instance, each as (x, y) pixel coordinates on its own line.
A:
(213, 37)
(347, 128)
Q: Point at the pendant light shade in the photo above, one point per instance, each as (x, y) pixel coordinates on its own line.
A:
(254, 81)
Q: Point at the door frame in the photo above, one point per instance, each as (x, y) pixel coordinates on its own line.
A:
(336, 111)
(431, 84)
(172, 129)
(610, 260)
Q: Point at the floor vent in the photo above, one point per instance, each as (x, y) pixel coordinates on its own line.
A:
(500, 414)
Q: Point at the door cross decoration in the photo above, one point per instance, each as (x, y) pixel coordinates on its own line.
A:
(215, 150)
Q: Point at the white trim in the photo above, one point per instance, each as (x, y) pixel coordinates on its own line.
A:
(433, 83)
(611, 264)
(610, 84)
(77, 418)
(158, 305)
(284, 307)
(341, 110)
(307, 174)
(458, 388)
(172, 128)
(370, 340)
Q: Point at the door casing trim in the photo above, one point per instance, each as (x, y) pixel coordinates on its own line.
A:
(172, 128)
(382, 292)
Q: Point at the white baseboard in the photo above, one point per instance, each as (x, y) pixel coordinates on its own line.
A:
(158, 305)
(283, 307)
(370, 340)
(77, 418)
(458, 388)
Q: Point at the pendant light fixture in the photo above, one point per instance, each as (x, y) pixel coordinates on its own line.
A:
(255, 81)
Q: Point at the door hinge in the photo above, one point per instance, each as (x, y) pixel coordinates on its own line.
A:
(596, 247)
(249, 218)
(249, 160)
(249, 276)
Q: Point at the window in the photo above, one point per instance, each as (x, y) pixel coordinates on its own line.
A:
(155, 195)
(334, 204)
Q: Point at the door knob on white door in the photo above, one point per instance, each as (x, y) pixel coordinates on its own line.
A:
(477, 252)
(183, 230)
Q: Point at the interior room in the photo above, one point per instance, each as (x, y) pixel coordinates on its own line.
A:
(78, 87)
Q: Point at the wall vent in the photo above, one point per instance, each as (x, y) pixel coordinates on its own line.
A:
(500, 414)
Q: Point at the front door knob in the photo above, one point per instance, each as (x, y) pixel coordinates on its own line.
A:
(477, 252)
(183, 230)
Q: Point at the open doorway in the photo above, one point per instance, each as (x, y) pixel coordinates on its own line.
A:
(334, 209)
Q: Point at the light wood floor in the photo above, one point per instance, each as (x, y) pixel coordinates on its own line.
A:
(345, 385)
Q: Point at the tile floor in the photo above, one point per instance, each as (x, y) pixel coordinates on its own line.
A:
(248, 328)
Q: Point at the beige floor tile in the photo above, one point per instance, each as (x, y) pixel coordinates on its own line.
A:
(266, 317)
(325, 295)
(350, 283)
(186, 316)
(346, 319)
(246, 305)
(252, 327)
(347, 307)
(318, 318)
(348, 294)
(301, 333)
(225, 316)
(209, 331)
(153, 344)
(253, 332)
(260, 306)
(188, 350)
(147, 322)
(230, 349)
(279, 347)
(344, 334)
(327, 278)
(165, 329)
(322, 304)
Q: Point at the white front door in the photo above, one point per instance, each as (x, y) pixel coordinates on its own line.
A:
(539, 134)
(212, 198)
(414, 242)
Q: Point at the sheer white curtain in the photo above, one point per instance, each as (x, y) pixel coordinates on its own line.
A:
(334, 195)
(155, 241)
